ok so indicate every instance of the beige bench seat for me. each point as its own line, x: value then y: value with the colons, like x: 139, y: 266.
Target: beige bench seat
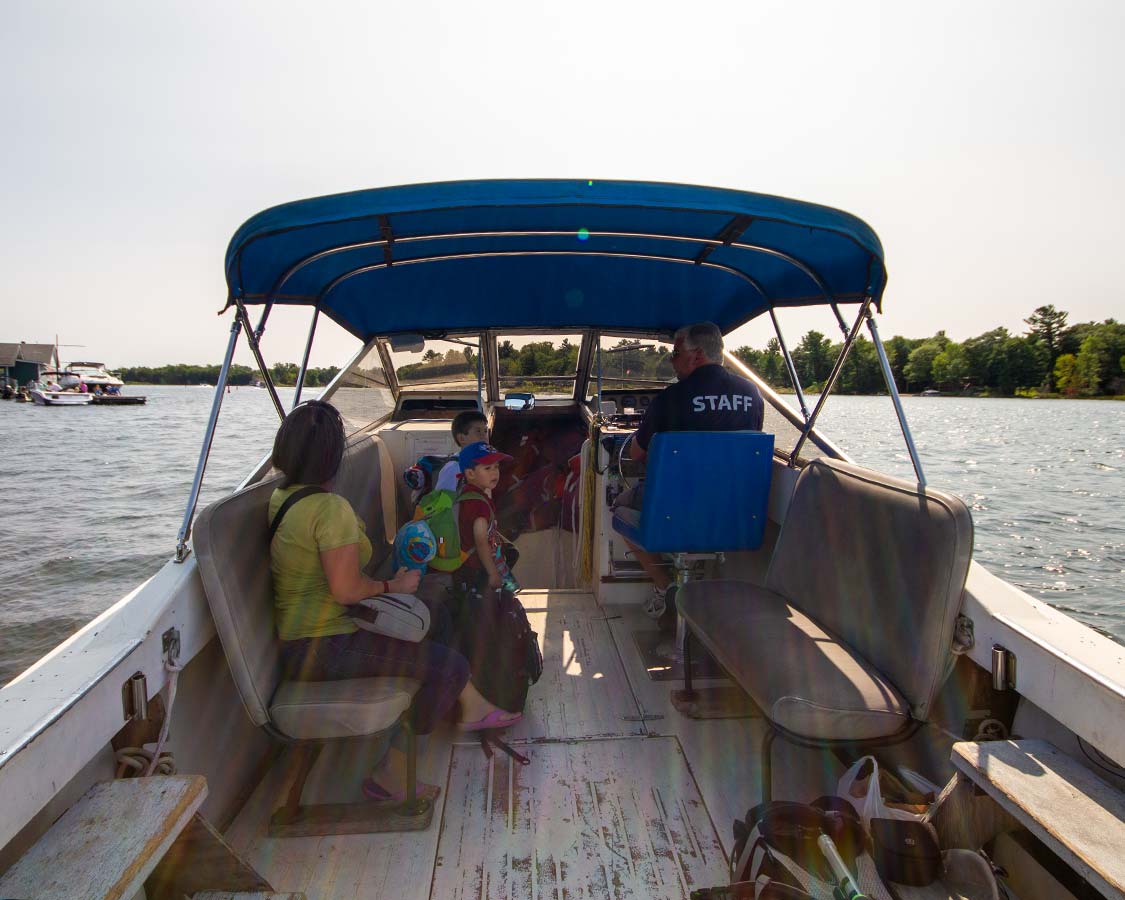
x: 803, y: 677
x: 320, y: 710
x: 231, y: 542
x: 851, y: 635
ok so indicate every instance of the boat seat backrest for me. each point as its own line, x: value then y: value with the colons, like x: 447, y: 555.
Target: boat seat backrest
x: 231, y: 547
x: 367, y: 479
x: 881, y: 563
x: 706, y: 491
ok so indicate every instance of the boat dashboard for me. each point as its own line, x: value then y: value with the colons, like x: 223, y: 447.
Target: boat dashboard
x: 630, y: 402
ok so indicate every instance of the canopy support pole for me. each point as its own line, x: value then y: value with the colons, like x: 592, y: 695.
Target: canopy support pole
x: 480, y: 368
x: 582, y: 373
x: 840, y: 320
x: 252, y: 340
x: 261, y: 329
x: 889, y: 377
x: 305, y: 360
x: 837, y: 368
x: 789, y: 364
x: 205, y: 451
x: 492, y: 369
x: 598, y: 338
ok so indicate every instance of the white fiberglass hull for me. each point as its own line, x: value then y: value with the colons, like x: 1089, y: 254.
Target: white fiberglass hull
x: 60, y: 398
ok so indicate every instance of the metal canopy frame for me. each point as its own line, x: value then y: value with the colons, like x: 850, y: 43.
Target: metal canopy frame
x: 487, y: 358
x: 387, y: 243
x: 704, y: 243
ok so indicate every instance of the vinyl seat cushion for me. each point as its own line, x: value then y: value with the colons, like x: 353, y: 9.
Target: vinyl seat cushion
x: 804, y: 678
x: 320, y: 710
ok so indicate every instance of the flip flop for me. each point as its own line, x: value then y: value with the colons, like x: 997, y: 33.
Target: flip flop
x: 498, y: 718
x: 372, y: 790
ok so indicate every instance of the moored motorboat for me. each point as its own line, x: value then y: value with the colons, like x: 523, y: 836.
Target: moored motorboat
x: 45, y: 397
x: 103, y: 386
x: 95, y: 375
x: 861, y: 582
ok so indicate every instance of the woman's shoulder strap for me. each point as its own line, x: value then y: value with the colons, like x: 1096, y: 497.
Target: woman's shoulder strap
x: 291, y: 501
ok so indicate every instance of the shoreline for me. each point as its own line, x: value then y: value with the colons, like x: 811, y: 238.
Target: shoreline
x: 785, y: 392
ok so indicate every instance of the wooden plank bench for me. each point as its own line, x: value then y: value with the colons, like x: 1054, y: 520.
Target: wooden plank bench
x: 106, y: 845
x: 1065, y: 805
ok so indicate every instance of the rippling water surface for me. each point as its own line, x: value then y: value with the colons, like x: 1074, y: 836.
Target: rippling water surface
x: 91, y: 499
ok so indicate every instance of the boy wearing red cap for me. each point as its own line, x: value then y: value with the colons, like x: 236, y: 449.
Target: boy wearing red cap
x: 486, y: 568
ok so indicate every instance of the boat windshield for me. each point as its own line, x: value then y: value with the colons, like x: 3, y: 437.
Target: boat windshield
x: 449, y: 363
x: 362, y: 395
x: 633, y: 364
x: 542, y: 364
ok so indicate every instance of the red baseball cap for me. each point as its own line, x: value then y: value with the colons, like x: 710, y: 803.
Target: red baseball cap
x: 479, y: 454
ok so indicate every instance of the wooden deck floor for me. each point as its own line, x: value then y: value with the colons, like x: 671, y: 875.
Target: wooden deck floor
x: 624, y: 797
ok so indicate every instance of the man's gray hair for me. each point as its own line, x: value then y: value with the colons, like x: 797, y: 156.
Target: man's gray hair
x: 705, y: 337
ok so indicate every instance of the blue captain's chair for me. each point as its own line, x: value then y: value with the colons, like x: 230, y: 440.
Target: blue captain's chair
x: 704, y: 492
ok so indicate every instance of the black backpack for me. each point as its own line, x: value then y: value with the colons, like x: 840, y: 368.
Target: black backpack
x: 494, y: 635
x: 778, y: 840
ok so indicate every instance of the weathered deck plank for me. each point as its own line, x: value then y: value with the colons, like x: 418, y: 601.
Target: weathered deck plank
x: 1075, y: 813
x: 583, y: 691
x: 108, y: 843
x: 618, y: 818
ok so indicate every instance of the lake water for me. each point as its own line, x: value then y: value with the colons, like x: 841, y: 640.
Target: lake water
x: 91, y: 499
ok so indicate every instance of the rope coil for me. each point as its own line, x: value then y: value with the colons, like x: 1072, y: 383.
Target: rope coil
x: 140, y: 762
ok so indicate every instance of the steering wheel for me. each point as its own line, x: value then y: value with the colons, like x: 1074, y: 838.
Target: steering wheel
x: 625, y: 461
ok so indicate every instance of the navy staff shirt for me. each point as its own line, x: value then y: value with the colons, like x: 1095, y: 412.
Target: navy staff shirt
x: 709, y: 399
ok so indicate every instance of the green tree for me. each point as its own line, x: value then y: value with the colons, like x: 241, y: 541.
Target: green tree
x: 1027, y: 362
x: 1047, y: 325
x: 813, y: 358
x: 1098, y: 364
x: 284, y: 373
x: 1065, y: 376
x: 1070, y: 341
x: 950, y: 367
x: 751, y: 357
x: 918, y: 370
x: 862, y: 373
x: 898, y: 350
x: 1089, y: 367
x: 773, y: 364
x: 988, y: 361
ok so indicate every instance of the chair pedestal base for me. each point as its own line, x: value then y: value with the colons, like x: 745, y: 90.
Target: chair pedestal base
x: 726, y: 701
x: 351, y: 818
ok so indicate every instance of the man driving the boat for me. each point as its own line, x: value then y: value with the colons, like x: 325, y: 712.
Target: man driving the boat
x: 705, y: 397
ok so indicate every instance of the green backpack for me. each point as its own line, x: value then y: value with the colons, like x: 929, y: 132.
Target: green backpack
x: 439, y: 510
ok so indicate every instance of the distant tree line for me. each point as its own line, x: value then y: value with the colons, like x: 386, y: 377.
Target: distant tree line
x: 1083, y: 360
x: 537, y: 358
x: 182, y: 373
x: 1050, y: 358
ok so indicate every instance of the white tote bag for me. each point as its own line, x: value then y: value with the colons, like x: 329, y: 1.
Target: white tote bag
x: 401, y: 616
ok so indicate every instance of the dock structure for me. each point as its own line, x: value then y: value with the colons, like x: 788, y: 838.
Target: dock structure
x: 24, y: 362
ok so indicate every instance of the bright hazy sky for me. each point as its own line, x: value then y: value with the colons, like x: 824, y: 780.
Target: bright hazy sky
x: 984, y: 142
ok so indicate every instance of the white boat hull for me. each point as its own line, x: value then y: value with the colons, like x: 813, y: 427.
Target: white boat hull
x: 60, y: 398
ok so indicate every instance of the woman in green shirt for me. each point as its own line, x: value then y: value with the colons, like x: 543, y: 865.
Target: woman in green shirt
x: 317, y: 558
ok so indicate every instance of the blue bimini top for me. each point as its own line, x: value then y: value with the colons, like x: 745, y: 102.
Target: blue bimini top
x: 465, y: 255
